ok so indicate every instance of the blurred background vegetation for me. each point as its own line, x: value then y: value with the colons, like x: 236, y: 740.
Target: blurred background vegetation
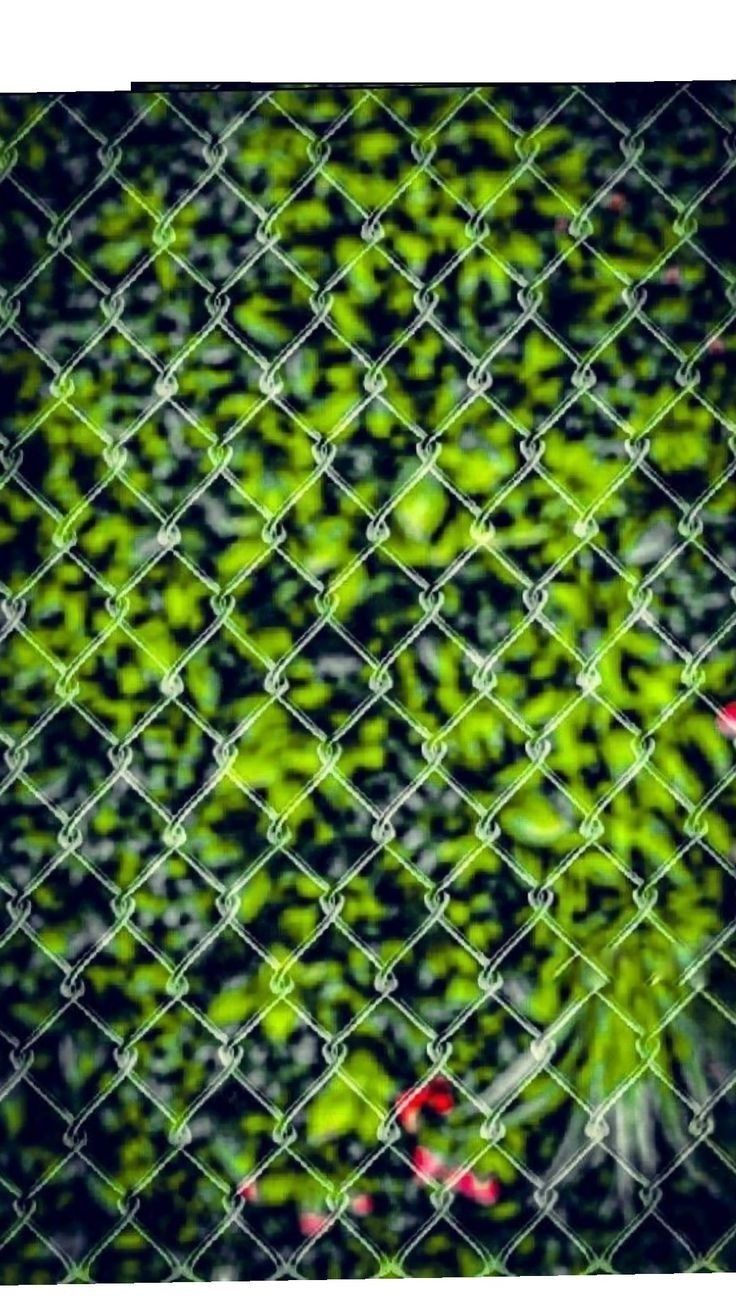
x: 368, y: 570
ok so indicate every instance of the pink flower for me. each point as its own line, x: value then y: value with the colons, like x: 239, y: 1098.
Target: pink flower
x: 361, y: 1204
x: 672, y: 275
x: 726, y: 720
x: 248, y: 1190
x: 481, y: 1192
x: 428, y: 1163
x: 431, y: 1167
x: 311, y: 1223
x: 717, y: 345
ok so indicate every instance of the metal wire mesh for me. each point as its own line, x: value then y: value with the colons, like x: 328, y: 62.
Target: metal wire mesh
x: 367, y: 480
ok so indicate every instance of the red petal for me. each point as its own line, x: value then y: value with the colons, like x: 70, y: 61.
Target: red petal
x: 442, y: 1102
x: 440, y: 1096
x: 437, y: 1095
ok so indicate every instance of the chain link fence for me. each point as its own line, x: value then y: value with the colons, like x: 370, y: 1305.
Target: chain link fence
x: 367, y: 486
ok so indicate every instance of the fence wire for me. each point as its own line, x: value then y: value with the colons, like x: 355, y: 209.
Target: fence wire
x: 367, y: 476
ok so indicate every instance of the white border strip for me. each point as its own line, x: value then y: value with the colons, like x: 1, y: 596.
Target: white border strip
x: 67, y: 45
x: 521, y: 1292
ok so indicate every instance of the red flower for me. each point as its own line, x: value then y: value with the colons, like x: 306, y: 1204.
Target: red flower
x: 248, y: 1190
x: 361, y: 1204
x: 437, y: 1095
x: 726, y: 720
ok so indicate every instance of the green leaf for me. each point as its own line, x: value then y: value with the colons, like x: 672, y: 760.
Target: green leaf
x: 331, y: 1113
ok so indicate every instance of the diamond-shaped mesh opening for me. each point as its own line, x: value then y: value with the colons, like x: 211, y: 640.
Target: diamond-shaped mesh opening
x: 36, y: 679
x: 165, y: 307
x: 267, y: 155
x: 429, y: 527
x: 700, y: 150
x: 371, y: 178
x: 172, y: 759
x: 57, y: 158
x: 67, y: 761
x: 669, y: 441
x: 114, y: 560
x: 160, y: 133
x: 77, y: 312
x: 685, y: 279
x: 375, y: 441
x: 63, y: 482
x: 176, y: 1060
x: 328, y: 681
x: 205, y: 384
x: 62, y: 933
x: 426, y: 379
x: 38, y: 1129
x: 578, y: 162
x: 379, y: 605
x: 582, y: 297
x: 113, y: 384
x: 270, y: 306
x: 406, y: 224
x: 175, y: 908
x: 437, y: 994
x: 372, y: 303
x: 477, y: 299
x: 531, y: 374
x: 215, y: 231
x: 111, y: 237
x: 57, y: 1208
x: 166, y: 458
x: 693, y: 618
x: 323, y: 381
x: 119, y: 1012
x: 472, y: 133
x: 302, y: 233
